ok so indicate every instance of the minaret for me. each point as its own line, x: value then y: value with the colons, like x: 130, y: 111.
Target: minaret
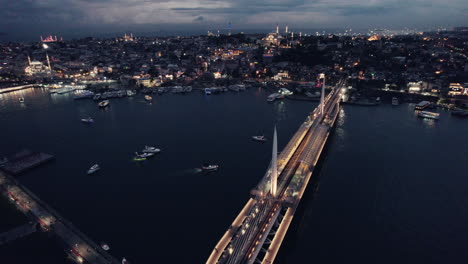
x: 274, y: 166
x: 29, y: 61
x: 286, y: 30
x: 277, y: 29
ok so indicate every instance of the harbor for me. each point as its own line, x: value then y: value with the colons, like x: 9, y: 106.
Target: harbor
x: 117, y: 203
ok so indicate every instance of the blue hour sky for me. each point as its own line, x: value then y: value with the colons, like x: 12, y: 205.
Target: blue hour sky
x: 33, y: 17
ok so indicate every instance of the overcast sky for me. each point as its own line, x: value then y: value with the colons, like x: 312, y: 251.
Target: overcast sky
x: 33, y: 17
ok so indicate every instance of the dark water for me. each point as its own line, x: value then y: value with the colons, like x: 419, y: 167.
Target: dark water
x: 392, y: 187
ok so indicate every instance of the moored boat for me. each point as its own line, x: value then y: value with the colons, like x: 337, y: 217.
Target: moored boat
x: 148, y: 98
x: 93, y: 169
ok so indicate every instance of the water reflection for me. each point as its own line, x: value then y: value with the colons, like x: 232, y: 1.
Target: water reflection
x: 280, y: 110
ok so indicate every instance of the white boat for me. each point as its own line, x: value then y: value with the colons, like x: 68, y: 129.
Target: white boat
x: 125, y: 261
x: 93, y: 169
x: 148, y: 149
x: 87, y: 120
x: 143, y: 155
x: 104, y: 103
x: 148, y: 98
x: 395, y: 101
x: 427, y: 114
x: 21, y: 99
x: 259, y: 138
x: 212, y: 167
x: 105, y: 246
x: 130, y: 93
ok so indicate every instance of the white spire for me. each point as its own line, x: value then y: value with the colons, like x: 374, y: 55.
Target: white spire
x: 274, y: 165
x: 322, y: 96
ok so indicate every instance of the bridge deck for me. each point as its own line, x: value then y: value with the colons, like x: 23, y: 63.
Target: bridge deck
x: 267, y: 218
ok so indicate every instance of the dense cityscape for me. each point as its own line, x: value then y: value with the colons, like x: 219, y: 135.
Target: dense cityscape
x: 286, y: 145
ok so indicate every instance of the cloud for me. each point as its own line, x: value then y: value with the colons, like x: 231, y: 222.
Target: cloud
x: 44, y: 15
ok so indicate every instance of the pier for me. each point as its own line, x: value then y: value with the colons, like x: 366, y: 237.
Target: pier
x: 15, y: 88
x: 17, y: 233
x: 79, y: 246
x: 259, y: 229
x: 25, y: 160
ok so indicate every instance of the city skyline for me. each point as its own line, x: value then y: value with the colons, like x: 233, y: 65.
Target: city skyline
x: 78, y: 18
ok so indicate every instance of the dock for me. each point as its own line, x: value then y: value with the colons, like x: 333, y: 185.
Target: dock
x: 25, y: 160
x: 17, y: 233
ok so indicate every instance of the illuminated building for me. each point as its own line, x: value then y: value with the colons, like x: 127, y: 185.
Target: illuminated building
x: 455, y: 89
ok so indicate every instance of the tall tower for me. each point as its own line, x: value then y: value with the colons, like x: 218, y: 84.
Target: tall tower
x: 48, y: 62
x: 322, y: 95
x: 29, y: 61
x: 286, y: 30
x: 274, y: 166
x: 277, y: 29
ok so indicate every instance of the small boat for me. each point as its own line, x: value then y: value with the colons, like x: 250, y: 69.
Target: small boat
x: 427, y: 114
x: 259, y: 138
x: 138, y: 159
x: 125, y: 261
x: 96, y: 97
x: 130, y: 93
x: 148, y: 98
x: 88, y: 120
x: 212, y: 167
x: 395, y: 101
x: 105, y: 246
x: 103, y: 103
x: 21, y: 99
x: 208, y: 91
x: 144, y: 155
x: 150, y: 150
x: 93, y: 169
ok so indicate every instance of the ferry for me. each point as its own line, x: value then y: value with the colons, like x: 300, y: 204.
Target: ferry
x: 259, y: 138
x: 148, y: 98
x: 422, y: 105
x: 93, y: 169
x: 105, y: 246
x: 21, y: 99
x: 104, y: 103
x: 207, y: 167
x: 427, y: 114
x: 150, y: 150
x: 88, y: 120
x: 395, y: 101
